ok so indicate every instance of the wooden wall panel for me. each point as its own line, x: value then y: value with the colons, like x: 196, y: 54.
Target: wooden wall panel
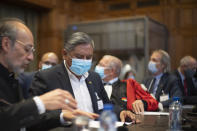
x: 179, y: 16
x: 185, y: 18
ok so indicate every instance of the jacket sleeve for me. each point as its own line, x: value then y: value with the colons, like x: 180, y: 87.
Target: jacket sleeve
x: 16, y: 116
x: 173, y: 89
x: 135, y: 92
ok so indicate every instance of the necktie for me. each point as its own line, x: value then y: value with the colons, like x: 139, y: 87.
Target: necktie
x: 151, y: 86
x: 185, y: 87
x: 107, y: 84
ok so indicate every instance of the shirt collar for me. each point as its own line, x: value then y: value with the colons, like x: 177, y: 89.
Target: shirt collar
x: 182, y: 76
x: 113, y: 80
x: 72, y: 76
x: 4, y: 71
x: 159, y: 76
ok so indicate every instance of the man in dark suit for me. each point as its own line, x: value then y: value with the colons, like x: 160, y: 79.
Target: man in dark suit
x: 185, y: 75
x: 161, y: 83
x: 16, y: 52
x: 128, y: 93
x: 74, y: 76
x: 48, y: 60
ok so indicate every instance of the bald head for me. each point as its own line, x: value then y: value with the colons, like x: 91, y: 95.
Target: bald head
x: 49, y: 58
x: 13, y: 28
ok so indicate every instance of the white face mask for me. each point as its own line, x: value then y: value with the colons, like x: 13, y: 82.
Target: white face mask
x: 152, y: 67
x: 45, y: 66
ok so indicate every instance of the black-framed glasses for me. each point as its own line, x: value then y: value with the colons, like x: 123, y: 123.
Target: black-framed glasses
x: 28, y: 49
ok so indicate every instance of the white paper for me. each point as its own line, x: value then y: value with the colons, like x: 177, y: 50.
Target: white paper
x: 96, y: 124
x: 188, y: 106
x: 156, y: 113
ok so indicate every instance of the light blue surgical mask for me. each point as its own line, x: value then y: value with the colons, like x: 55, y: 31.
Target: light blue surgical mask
x: 45, y: 66
x: 80, y: 66
x: 132, y: 77
x: 100, y: 71
x: 152, y: 67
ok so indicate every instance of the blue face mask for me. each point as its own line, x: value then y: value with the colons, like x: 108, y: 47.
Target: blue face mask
x: 80, y: 66
x: 45, y: 66
x: 152, y: 67
x: 132, y: 77
x: 100, y: 71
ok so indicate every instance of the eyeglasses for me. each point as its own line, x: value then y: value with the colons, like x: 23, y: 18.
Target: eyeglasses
x: 28, y: 49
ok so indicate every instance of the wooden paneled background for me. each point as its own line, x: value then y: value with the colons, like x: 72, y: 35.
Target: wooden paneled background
x: 179, y: 16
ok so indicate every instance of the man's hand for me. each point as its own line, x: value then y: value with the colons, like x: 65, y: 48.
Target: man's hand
x: 68, y: 115
x: 56, y: 100
x: 127, y: 114
x: 138, y: 106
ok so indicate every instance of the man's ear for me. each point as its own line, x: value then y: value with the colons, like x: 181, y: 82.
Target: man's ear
x: 40, y: 64
x: 113, y: 70
x: 5, y: 44
x: 64, y: 54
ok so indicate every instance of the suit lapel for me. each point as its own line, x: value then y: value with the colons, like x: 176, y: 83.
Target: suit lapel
x: 92, y: 94
x: 180, y: 80
x: 64, y: 79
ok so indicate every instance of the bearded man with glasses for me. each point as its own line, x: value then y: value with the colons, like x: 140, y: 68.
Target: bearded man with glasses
x: 16, y: 52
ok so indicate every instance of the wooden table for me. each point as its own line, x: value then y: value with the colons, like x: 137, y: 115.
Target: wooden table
x: 160, y: 123
x: 152, y: 123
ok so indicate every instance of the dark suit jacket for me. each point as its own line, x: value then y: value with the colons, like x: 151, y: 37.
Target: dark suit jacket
x: 57, y: 77
x: 190, y: 85
x: 25, y: 80
x: 168, y: 84
x: 15, y: 112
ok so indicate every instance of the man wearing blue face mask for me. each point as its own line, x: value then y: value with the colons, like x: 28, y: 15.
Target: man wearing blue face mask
x: 161, y: 84
x: 48, y: 60
x: 74, y: 76
x: 127, y: 93
x: 185, y: 75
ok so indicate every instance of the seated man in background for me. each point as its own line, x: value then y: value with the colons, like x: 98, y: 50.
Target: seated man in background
x: 48, y: 60
x: 128, y: 93
x: 161, y: 83
x: 74, y: 76
x: 16, y: 52
x: 185, y: 75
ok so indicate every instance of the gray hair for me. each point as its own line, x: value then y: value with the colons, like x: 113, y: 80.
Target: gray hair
x: 187, y: 60
x: 115, y: 63
x: 165, y: 59
x: 9, y: 29
x: 76, y: 39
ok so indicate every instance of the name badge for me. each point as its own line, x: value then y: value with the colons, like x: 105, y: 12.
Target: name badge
x: 164, y: 97
x: 100, y: 104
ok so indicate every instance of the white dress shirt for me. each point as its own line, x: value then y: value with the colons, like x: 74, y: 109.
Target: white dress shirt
x: 81, y: 92
x: 108, y: 87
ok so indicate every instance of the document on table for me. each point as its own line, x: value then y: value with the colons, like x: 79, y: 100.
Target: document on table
x: 96, y: 124
x: 156, y: 113
x: 188, y: 106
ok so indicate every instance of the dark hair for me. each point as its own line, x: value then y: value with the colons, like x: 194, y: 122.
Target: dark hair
x: 76, y: 39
